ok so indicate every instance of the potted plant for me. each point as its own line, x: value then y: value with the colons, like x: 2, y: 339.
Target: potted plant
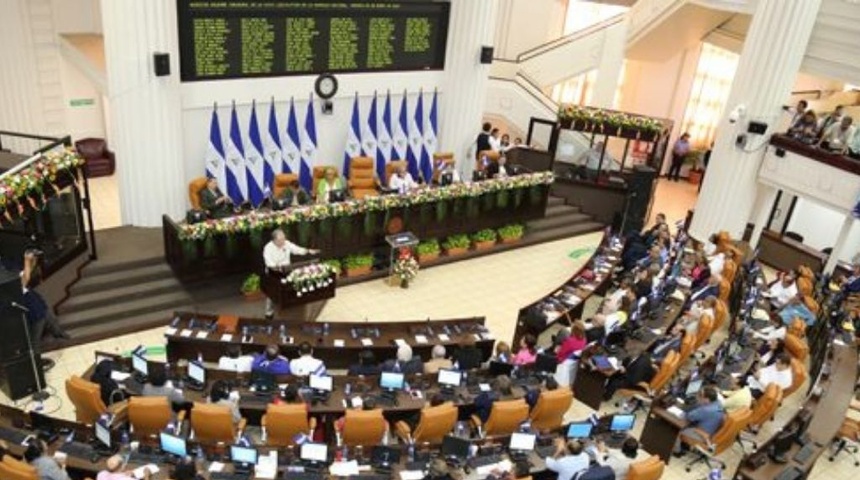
x: 484, y: 239
x: 694, y: 175
x: 428, y: 250
x: 251, y: 288
x: 334, y: 264
x: 456, y: 244
x: 358, y: 264
x: 511, y: 233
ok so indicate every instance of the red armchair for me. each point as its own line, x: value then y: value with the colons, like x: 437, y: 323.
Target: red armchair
x: 100, y: 161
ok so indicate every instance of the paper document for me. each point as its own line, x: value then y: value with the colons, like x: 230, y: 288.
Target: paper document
x: 138, y: 472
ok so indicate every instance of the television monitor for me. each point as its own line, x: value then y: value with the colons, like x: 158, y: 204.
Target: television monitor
x: 622, y: 423
x: 455, y: 446
x: 197, y: 372
x: 500, y: 368
x: 391, y: 381
x: 335, y: 196
x: 244, y: 455
x: 139, y: 364
x: 449, y: 378
x: 579, y: 430
x: 693, y: 387
x: 321, y: 382
x: 546, y: 363
x: 173, y: 445
x: 523, y: 442
x: 102, y: 434
x: 314, y: 452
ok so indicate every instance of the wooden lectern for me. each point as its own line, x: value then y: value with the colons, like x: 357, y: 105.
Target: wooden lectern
x: 289, y: 303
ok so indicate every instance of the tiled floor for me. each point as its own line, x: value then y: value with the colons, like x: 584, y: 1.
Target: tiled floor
x: 105, y: 202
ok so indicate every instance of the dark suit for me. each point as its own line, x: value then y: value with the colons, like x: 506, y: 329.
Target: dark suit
x: 468, y: 358
x: 636, y: 370
x: 484, y: 405
x: 302, y: 197
x: 209, y: 202
x: 703, y: 293
x: 366, y: 370
x: 493, y: 170
x: 413, y: 366
x: 483, y: 142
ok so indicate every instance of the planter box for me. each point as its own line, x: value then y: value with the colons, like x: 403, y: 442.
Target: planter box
x: 357, y: 271
x: 695, y: 176
x: 484, y: 245
x: 253, y: 296
x: 427, y: 257
x: 455, y: 251
x: 508, y: 241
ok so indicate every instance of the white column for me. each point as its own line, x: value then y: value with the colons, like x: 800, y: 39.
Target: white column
x: 767, y: 195
x: 144, y: 113
x: 833, y: 260
x: 769, y: 62
x: 472, y: 25
x: 609, y: 67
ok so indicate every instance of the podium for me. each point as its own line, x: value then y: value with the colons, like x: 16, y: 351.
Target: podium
x: 290, y: 304
x: 398, y: 242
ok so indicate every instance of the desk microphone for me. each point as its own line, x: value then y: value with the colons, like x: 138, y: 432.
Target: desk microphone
x: 19, y: 306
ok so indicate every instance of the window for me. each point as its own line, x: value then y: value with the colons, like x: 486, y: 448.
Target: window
x: 709, y: 94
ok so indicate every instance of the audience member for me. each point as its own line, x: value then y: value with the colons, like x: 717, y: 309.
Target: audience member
x: 618, y: 460
x: 213, y: 201
x: 805, y: 129
x: 771, y: 350
x: 468, y: 356
x: 568, y: 460
x: 112, y: 471
x: 711, y: 289
x: 306, y: 364
x: 437, y: 360
x: 797, y: 112
x: 158, y: 386
x: 838, y: 136
x: 783, y: 290
x: 186, y: 469
x: 109, y: 390
x: 502, y: 386
x: 736, y: 397
x: 700, y: 273
x: 329, y: 183
x: 574, y: 343
x: 775, y: 331
x: 271, y: 361
x: 778, y: 373
x: 533, y: 394
x: 405, y: 362
x: 832, y: 119
x: 797, y: 308
x: 854, y: 145
x: 633, y: 371
x: 671, y: 342
x: 295, y: 195
x: 527, y: 354
x: 503, y: 352
x: 679, y: 153
x: 366, y: 364
x: 402, y: 181
x: 220, y: 394
x: 706, y: 418
x: 47, y: 467
x: 234, y: 361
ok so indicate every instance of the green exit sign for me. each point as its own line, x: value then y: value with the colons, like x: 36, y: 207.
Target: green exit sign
x: 81, y: 102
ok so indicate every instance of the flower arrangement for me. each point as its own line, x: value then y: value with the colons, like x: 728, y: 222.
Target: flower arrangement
x: 311, y: 277
x: 257, y: 220
x: 36, y: 180
x: 595, y: 118
x: 405, y: 267
x: 511, y: 232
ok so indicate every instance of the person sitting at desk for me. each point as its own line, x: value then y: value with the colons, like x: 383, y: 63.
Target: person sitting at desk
x: 295, y: 195
x: 186, y: 469
x: 366, y: 365
x: 796, y: 308
x: 771, y: 350
x: 502, y: 386
x: 527, y: 354
x: 778, y: 373
x: 700, y: 273
x: 502, y: 352
x: 366, y: 404
x: 533, y: 394
x: 690, y: 320
x: 290, y: 394
x: 671, y: 342
x: 402, y: 181
x: 220, y: 394
x: 595, y: 330
x: 307, y: 364
x: 775, y: 331
x: 644, y: 283
x: 569, y: 459
x: 468, y: 356
x: 783, y: 290
x: 716, y: 263
x: 112, y: 470
x: 109, y: 390
x: 405, y: 362
x: 633, y: 371
x: 711, y: 289
x: 651, y: 234
x: 573, y: 344
x: 437, y: 360
x: 158, y: 386
x: 47, y: 467
x: 271, y: 361
x: 498, y: 169
x: 618, y: 460
x: 215, y: 203
x: 737, y: 397
x: 329, y: 183
x: 705, y: 419
x: 851, y: 284
x: 414, y: 418
x: 444, y: 168
x: 234, y: 361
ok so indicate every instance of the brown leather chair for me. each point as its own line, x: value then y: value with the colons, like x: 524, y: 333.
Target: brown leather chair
x: 804, y: 286
x: 435, y: 423
x: 492, y: 156
x: 281, y: 423
x: 798, y: 377
x: 721, y: 440
x: 87, y: 399
x: 725, y: 290
x: 847, y: 440
x: 797, y: 328
x: 763, y: 410
x: 213, y: 423
x: 363, y: 427
x: 440, y: 159
x: 811, y: 304
x: 721, y: 314
x: 729, y: 270
x: 149, y: 415
x: 706, y: 328
x: 647, y: 391
x: 797, y: 347
x: 649, y: 469
x: 14, y: 469
x: 506, y: 416
x: 688, y: 346
x: 194, y: 188
x: 362, y: 177
x: 100, y: 161
x: 548, y: 412
x: 392, y: 167
x: 282, y: 181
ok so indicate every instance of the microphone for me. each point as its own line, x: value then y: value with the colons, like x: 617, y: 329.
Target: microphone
x: 19, y: 306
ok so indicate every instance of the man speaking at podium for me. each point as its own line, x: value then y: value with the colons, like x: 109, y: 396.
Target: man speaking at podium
x: 276, y: 255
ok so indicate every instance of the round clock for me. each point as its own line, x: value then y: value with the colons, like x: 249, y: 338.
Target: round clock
x: 326, y: 86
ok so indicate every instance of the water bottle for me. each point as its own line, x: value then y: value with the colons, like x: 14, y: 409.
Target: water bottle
x: 199, y: 357
x: 715, y: 474
x: 460, y: 429
x: 410, y: 451
x: 283, y: 331
x: 244, y: 333
x: 124, y: 441
x: 201, y: 457
x: 347, y: 389
x: 325, y: 329
x: 344, y: 454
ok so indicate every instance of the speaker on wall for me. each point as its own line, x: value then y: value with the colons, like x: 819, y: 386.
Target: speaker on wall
x: 162, y: 64
x: 487, y: 55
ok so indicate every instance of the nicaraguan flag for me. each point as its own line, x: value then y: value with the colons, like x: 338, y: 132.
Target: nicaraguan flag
x: 309, y: 148
x: 368, y: 131
x: 255, y: 170
x: 430, y: 140
x: 400, y: 141
x: 383, y: 139
x: 215, y: 152
x: 353, y: 138
x: 272, y: 148
x: 416, y: 141
x: 237, y: 187
x: 292, y: 142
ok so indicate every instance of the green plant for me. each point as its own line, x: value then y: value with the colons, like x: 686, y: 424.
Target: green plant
x: 456, y: 241
x: 485, y: 235
x: 512, y: 231
x: 428, y: 247
x: 334, y: 264
x: 358, y: 260
x: 693, y: 159
x: 251, y: 284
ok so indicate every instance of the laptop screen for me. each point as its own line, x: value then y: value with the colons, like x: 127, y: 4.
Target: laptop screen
x: 523, y: 441
x: 449, y: 378
x: 321, y: 382
x: 391, y: 381
x: 241, y: 454
x: 197, y: 372
x: 314, y: 452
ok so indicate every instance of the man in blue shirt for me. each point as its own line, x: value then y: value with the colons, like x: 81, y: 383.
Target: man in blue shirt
x: 271, y: 361
x: 796, y: 308
x: 702, y: 421
x: 852, y: 283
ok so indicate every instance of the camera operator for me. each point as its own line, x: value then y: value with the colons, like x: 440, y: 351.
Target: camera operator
x: 39, y: 317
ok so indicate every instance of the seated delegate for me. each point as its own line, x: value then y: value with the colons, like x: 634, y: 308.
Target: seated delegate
x: 234, y: 361
x: 271, y: 361
x: 220, y: 394
x: 329, y: 183
x: 307, y: 364
x: 705, y: 419
x: 402, y: 181
x: 438, y: 360
x: 569, y: 459
x: 366, y: 365
x: 633, y: 371
x: 158, y: 386
x: 404, y: 363
x: 778, y: 373
x: 502, y: 386
x: 783, y: 290
x: 295, y: 195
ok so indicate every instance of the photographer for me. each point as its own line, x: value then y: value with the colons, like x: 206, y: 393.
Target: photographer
x: 39, y: 317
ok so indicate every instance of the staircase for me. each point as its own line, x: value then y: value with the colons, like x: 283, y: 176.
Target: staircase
x: 561, y: 221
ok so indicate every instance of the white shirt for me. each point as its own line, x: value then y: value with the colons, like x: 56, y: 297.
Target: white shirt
x: 568, y: 466
x: 241, y: 364
x: 306, y: 365
x: 495, y: 143
x: 780, y: 294
x: 277, y: 257
x: 716, y: 264
x: 775, y: 334
x: 836, y: 137
x: 402, y: 184
x: 768, y: 375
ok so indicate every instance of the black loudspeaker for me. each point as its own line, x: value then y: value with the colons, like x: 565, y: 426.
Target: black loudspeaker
x: 162, y: 64
x: 640, y: 196
x: 487, y: 55
x: 13, y: 341
x: 18, y: 378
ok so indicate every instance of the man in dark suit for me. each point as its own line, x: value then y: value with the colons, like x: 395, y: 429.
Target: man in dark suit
x: 404, y: 363
x: 215, y: 203
x: 294, y: 195
x: 366, y: 365
x: 633, y: 371
x: 485, y: 400
x: 498, y: 169
x: 483, y: 140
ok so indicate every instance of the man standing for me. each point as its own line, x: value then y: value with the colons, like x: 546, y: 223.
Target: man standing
x: 679, y: 153
x: 276, y: 255
x: 838, y: 136
x: 483, y: 141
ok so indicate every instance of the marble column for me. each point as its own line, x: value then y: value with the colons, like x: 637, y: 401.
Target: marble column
x: 772, y: 53
x: 610, y: 66
x: 464, y: 88
x: 767, y: 195
x: 144, y: 110
x: 839, y: 246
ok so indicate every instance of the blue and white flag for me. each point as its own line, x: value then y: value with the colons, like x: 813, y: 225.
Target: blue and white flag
x: 272, y: 148
x: 352, y: 148
x: 416, y: 141
x: 255, y: 170
x: 309, y: 148
x: 237, y: 187
x: 383, y: 139
x: 399, y: 139
x: 430, y: 139
x: 215, y: 152
x: 368, y: 131
x: 292, y: 142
